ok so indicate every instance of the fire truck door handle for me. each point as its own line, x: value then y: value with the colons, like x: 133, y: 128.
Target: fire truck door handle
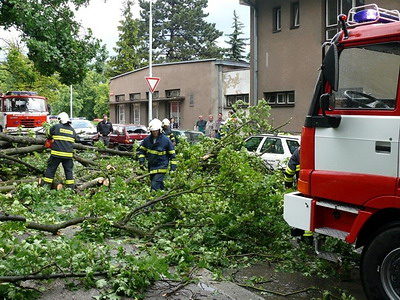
x: 382, y: 147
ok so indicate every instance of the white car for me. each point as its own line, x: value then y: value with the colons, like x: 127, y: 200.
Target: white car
x: 84, y: 129
x: 275, y: 150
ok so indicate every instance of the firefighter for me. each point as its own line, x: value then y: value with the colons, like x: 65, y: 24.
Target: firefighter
x: 293, y: 168
x: 63, y: 136
x: 166, y: 129
x: 159, y: 152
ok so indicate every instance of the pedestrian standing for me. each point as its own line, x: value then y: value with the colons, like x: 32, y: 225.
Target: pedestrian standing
x: 104, y: 129
x: 159, y: 152
x: 210, y: 127
x: 220, y: 121
x: 201, y: 124
x: 63, y: 136
x: 173, y: 124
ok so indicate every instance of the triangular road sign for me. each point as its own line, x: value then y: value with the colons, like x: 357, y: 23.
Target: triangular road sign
x: 152, y: 82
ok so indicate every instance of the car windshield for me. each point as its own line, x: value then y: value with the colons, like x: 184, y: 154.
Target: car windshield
x: 136, y: 129
x: 253, y: 143
x: 78, y: 124
x: 26, y: 104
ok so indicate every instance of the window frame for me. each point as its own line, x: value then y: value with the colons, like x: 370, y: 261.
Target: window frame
x: 235, y: 97
x: 277, y: 19
x: 294, y: 15
x: 284, y: 102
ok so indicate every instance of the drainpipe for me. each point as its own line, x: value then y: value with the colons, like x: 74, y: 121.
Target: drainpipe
x: 255, y: 54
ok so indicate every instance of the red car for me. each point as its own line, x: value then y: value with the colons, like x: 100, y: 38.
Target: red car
x: 124, y: 136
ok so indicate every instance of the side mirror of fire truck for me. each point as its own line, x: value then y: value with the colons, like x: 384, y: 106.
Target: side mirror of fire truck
x: 330, y: 67
x: 324, y: 102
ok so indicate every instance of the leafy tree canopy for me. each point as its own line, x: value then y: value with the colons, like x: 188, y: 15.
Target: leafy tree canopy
x: 56, y: 42
x: 237, y: 44
x: 180, y: 31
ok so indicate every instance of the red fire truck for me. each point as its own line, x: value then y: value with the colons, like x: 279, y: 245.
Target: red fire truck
x: 349, y: 182
x: 22, y: 109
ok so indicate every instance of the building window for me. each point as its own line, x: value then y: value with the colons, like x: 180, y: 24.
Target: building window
x: 277, y: 19
x: 134, y: 96
x: 276, y: 99
x: 156, y: 95
x: 136, y: 113
x: 232, y: 99
x: 155, y: 109
x: 119, y: 98
x: 295, y: 15
x: 333, y: 8
x: 175, y: 111
x: 172, y: 93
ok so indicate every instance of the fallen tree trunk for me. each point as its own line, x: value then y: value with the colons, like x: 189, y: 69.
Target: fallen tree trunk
x: 29, y: 166
x: 13, y: 279
x: 52, y: 228
x: 23, y: 150
x: 11, y: 182
x: 7, y: 188
x: 134, y: 178
x: 40, y: 141
x: 85, y: 162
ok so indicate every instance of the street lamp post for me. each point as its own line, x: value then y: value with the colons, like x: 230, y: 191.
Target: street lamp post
x: 151, y: 59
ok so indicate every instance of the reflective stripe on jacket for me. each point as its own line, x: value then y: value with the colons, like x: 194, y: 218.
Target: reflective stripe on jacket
x: 64, y: 137
x: 159, y: 153
x: 168, y: 133
x: 293, y: 166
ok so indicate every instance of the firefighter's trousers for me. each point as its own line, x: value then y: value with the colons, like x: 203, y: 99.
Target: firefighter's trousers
x: 157, y: 181
x: 52, y: 165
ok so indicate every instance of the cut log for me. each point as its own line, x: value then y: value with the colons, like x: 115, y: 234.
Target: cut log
x: 85, y: 162
x: 91, y: 183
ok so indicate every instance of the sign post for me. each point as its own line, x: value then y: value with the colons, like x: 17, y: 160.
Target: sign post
x: 151, y: 59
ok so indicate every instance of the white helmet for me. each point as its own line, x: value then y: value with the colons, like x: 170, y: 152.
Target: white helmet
x: 166, y: 122
x: 64, y: 118
x: 155, y: 124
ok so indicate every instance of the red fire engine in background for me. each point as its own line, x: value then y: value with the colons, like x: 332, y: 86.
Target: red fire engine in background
x: 349, y: 183
x: 22, y: 109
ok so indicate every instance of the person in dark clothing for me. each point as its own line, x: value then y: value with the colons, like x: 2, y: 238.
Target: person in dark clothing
x: 201, y: 125
x: 173, y: 124
x: 159, y: 152
x: 292, y: 169
x: 166, y: 130
x: 104, y: 129
x: 63, y: 136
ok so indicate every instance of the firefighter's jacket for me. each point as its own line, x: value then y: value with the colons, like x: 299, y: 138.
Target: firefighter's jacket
x: 159, y: 152
x: 64, y: 137
x: 293, y: 166
x: 168, y: 133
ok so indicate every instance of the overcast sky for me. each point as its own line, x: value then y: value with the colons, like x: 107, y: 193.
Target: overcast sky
x: 103, y: 18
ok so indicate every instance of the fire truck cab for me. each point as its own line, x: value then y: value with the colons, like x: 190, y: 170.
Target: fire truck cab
x: 349, y: 183
x: 22, y: 110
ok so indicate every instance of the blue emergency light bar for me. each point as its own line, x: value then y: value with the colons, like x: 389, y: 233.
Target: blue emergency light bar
x: 371, y: 13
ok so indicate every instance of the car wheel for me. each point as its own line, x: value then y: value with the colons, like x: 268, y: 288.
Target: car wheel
x: 380, y: 265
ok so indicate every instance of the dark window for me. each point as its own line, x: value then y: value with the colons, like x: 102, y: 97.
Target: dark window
x: 332, y: 9
x: 277, y: 19
x: 156, y: 95
x: 232, y: 99
x: 119, y: 98
x: 285, y: 98
x: 172, y: 93
x: 134, y: 96
x: 272, y: 145
x: 253, y: 143
x: 295, y: 15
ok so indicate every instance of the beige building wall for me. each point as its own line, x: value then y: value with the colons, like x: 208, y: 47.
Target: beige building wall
x: 200, y: 84
x: 289, y: 60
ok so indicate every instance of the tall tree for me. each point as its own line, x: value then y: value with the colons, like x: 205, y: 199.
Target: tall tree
x: 127, y: 57
x: 180, y: 31
x: 237, y: 44
x: 55, y: 41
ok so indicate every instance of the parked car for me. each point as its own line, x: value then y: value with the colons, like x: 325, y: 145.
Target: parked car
x: 85, y: 130
x: 191, y: 136
x: 275, y: 150
x: 124, y: 136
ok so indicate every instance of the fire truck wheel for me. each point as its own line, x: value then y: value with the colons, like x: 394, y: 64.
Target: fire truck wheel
x: 380, y: 266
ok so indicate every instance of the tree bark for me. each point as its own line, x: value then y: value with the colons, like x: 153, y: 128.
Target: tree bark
x: 52, y: 228
x: 29, y: 166
x: 23, y: 150
x: 13, y: 279
x: 85, y: 162
x: 11, y: 182
x: 91, y: 183
x: 7, y: 188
